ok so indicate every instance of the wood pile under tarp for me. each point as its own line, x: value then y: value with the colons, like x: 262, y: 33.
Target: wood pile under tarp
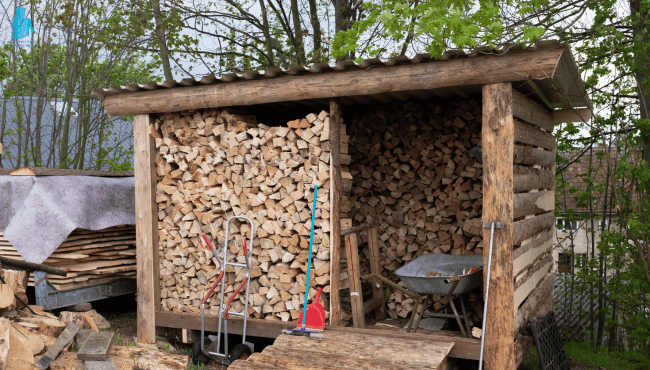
x: 89, y: 257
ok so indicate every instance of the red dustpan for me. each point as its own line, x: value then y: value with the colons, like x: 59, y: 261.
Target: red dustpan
x: 315, y: 315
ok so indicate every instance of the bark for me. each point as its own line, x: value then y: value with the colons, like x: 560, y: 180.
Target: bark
x: 342, y: 17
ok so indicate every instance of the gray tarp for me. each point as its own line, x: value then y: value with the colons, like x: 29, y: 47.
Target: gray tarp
x: 38, y: 213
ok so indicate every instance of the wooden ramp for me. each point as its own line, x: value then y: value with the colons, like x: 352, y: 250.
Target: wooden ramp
x: 341, y: 350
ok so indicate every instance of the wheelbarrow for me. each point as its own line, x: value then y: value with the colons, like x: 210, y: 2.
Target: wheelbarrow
x: 208, y: 348
x: 450, y: 281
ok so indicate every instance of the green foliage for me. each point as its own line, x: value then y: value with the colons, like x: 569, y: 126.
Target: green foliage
x: 583, y: 354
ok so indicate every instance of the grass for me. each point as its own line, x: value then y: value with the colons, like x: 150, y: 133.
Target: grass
x: 585, y: 358
x: 119, y: 340
x: 191, y: 366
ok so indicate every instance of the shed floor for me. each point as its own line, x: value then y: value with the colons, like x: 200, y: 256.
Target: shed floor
x: 350, y: 349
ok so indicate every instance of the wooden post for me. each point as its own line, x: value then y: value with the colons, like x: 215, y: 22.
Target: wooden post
x: 335, y: 210
x: 146, y: 228
x: 498, y: 146
x: 356, y: 300
x: 375, y: 268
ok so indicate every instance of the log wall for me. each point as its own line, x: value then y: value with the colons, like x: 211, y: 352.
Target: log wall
x: 533, y: 203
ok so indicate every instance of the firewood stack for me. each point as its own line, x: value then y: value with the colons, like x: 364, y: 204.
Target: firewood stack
x: 214, y: 164
x: 412, y: 171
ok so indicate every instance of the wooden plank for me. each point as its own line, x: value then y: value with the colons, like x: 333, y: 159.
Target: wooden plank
x: 429, y: 355
x: 524, y: 289
x: 356, y: 300
x: 375, y: 268
x: 527, y: 178
x: 532, y: 112
x: 335, y: 210
x: 529, y: 134
x: 308, y: 359
x: 92, y: 265
x: 412, y: 76
x: 572, y: 115
x: 531, y: 308
x: 146, y: 225
x: 66, y: 337
x: 529, y: 227
x: 525, y: 255
x: 255, y: 328
x: 533, y: 156
x: 95, y: 348
x: 464, y: 348
x: 525, y: 204
x: 498, y: 143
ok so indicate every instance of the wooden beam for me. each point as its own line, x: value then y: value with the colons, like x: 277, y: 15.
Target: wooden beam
x: 192, y: 321
x: 528, y: 178
x: 413, y: 76
x: 335, y: 210
x: 498, y: 148
x: 572, y: 115
x: 146, y: 227
x: 375, y: 268
x: 532, y: 112
x: 533, y: 203
x: 529, y: 134
x: 533, y: 156
x: 526, y: 228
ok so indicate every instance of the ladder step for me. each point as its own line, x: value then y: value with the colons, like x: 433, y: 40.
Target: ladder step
x: 236, y: 313
x: 235, y: 264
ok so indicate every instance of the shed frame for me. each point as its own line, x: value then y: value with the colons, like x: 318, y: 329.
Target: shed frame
x: 510, y: 83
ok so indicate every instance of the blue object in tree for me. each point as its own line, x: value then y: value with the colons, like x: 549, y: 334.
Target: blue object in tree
x: 21, y: 25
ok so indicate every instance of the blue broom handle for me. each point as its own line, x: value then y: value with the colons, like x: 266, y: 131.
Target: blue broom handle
x: 311, y: 240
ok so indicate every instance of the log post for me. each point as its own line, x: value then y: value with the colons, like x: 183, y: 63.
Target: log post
x: 498, y: 147
x: 146, y: 226
x: 335, y: 210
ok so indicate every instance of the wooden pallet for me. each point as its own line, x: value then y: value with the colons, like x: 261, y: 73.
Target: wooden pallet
x: 345, y: 350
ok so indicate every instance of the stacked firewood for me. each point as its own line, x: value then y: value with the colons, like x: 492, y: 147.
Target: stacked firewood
x: 215, y: 164
x: 413, y: 173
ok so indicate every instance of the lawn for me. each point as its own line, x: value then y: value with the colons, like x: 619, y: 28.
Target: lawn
x: 582, y: 356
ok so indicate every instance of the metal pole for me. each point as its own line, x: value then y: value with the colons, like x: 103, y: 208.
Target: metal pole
x: 487, y: 292
x: 311, y: 239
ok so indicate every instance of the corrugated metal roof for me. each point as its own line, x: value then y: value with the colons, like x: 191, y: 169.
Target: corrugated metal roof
x: 564, y: 90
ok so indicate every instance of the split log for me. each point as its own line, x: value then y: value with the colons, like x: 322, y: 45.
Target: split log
x: 526, y: 228
x: 51, y: 327
x: 525, y: 204
x: 5, y: 343
x: 148, y: 358
x: 20, y: 355
x: 532, y: 308
x: 529, y: 134
x: 533, y: 156
x: 527, y: 178
x: 524, y: 256
x: 32, y: 339
x: 522, y: 344
x: 6, y: 297
x: 532, y: 112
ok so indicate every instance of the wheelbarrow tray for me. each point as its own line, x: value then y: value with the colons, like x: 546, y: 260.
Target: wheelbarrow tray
x: 414, y: 273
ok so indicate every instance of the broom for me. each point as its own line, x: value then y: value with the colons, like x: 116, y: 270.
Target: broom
x: 319, y: 320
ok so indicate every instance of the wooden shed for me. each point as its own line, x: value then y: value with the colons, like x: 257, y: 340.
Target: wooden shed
x: 387, y: 143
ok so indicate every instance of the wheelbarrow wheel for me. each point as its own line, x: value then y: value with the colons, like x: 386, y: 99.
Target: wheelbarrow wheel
x: 240, y: 352
x: 196, y: 357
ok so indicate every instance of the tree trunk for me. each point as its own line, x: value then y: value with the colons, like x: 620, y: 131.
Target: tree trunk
x: 315, y: 24
x: 342, y: 15
x: 267, y: 34
x: 297, y: 29
x: 160, y: 34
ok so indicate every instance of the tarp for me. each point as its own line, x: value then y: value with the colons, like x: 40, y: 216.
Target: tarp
x: 38, y: 213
